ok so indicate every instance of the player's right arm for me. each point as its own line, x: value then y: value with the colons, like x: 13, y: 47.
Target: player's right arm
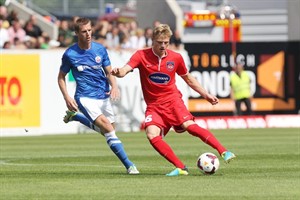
x: 195, y: 85
x: 70, y: 102
x: 121, y: 72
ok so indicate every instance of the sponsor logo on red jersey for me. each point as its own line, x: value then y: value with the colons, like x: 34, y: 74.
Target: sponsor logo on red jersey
x: 159, y: 78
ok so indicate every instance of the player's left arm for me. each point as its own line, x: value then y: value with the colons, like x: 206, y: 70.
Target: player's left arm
x: 70, y: 102
x: 121, y: 72
x: 114, y: 92
x: 195, y: 85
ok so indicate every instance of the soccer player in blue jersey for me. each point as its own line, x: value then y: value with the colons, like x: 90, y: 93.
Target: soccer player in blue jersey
x: 95, y: 86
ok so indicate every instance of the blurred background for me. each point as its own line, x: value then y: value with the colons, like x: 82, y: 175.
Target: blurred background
x: 211, y: 35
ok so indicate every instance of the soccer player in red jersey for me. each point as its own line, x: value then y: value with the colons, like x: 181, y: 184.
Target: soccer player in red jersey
x: 165, y: 108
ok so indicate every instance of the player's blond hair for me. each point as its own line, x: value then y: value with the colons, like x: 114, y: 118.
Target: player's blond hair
x: 162, y: 30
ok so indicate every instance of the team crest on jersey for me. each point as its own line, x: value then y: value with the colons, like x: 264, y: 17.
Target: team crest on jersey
x: 170, y: 65
x: 98, y: 59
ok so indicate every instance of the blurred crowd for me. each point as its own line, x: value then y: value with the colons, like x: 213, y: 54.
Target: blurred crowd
x: 16, y: 33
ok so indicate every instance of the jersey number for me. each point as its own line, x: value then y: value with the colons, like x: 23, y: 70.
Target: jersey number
x: 148, y: 118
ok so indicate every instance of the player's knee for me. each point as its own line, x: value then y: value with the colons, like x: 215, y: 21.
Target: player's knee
x: 152, y: 131
x: 104, y: 124
x: 186, y: 124
x: 151, y: 135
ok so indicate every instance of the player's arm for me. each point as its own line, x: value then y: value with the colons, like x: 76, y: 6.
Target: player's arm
x: 195, y: 85
x: 70, y: 102
x: 114, y: 91
x: 121, y: 72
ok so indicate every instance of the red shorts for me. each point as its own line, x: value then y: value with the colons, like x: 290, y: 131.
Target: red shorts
x: 170, y: 114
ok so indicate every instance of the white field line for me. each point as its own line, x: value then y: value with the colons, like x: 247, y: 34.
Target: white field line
x: 8, y: 163
x: 72, y: 165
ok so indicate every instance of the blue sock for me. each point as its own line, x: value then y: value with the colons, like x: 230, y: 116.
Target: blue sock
x: 117, y: 147
x: 85, y: 121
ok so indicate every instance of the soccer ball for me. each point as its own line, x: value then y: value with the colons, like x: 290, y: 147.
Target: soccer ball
x: 208, y: 163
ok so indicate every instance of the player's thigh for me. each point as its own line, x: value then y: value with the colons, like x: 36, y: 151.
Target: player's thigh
x: 107, y: 110
x: 152, y: 131
x: 104, y: 124
x: 179, y: 114
x: 153, y: 118
x: 93, y: 108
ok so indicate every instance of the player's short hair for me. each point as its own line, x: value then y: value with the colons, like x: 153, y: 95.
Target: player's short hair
x: 162, y: 30
x: 79, y: 22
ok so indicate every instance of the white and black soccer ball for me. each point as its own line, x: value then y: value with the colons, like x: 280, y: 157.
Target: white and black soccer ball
x: 208, y: 163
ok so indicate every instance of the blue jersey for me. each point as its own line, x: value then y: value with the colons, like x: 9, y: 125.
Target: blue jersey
x: 87, y: 67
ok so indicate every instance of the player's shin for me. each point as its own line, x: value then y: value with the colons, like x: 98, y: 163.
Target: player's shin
x: 165, y: 150
x: 117, y: 147
x: 206, y: 136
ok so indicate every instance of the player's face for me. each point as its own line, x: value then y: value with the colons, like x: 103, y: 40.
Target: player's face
x: 85, y: 34
x: 239, y: 69
x: 160, y: 44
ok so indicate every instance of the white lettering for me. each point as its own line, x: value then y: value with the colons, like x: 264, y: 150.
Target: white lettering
x: 237, y: 123
x: 218, y: 83
x: 240, y: 59
x: 256, y: 123
x: 209, y: 80
x: 283, y: 121
x: 252, y: 81
x: 216, y: 123
x: 223, y: 84
x: 246, y: 60
x: 224, y: 61
x: 250, y: 60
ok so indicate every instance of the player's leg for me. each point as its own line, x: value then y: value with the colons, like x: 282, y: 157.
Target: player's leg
x: 186, y: 119
x: 248, y: 106
x: 153, y: 133
x: 114, y: 142
x: 207, y: 137
x: 155, y: 139
x: 101, y: 112
x: 79, y: 117
x: 238, y: 107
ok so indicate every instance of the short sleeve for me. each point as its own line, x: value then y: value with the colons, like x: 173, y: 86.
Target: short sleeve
x: 134, y: 61
x: 65, y: 63
x: 106, y: 61
x: 181, y: 69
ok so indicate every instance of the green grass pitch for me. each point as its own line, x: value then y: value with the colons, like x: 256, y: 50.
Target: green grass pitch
x: 83, y: 167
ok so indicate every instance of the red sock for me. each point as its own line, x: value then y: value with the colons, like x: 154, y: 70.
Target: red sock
x: 165, y: 150
x: 206, y: 136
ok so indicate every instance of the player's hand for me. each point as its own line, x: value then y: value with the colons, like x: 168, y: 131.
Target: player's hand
x: 71, y: 104
x: 115, y: 72
x: 114, y: 94
x: 212, y: 99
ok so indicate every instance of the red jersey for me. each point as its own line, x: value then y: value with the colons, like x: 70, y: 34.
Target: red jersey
x: 157, y: 75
